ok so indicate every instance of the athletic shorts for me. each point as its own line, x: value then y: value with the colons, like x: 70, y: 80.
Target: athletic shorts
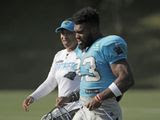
x: 109, y: 110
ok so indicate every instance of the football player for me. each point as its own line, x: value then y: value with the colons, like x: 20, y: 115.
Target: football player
x: 104, y: 69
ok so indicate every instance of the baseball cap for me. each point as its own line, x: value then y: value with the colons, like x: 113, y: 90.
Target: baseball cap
x: 67, y: 24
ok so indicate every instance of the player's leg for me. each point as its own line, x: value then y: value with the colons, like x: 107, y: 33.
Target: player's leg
x: 109, y: 110
x: 80, y: 115
x: 85, y: 114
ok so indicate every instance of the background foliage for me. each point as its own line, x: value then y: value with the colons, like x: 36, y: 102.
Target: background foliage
x: 28, y: 42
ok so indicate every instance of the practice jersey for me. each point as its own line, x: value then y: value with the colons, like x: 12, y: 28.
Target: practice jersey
x: 95, y: 69
x: 62, y: 74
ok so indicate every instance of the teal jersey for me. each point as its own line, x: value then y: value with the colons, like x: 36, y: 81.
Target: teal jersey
x: 94, y: 67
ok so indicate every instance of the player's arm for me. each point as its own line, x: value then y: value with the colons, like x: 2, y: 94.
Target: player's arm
x: 122, y: 83
x: 122, y: 71
x: 116, y: 54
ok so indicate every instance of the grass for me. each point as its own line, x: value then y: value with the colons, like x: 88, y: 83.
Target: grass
x: 141, y: 105
x: 136, y: 105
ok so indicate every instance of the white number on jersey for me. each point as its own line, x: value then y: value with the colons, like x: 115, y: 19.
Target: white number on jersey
x: 92, y: 69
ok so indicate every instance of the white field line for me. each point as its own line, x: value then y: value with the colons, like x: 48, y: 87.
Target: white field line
x: 144, y: 110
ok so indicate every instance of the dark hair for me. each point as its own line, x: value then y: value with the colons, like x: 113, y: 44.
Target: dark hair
x: 87, y: 15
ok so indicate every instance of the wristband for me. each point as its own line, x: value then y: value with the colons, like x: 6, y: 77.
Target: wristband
x: 98, y: 98
x: 116, y: 91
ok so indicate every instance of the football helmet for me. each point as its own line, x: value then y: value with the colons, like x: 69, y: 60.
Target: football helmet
x: 59, y: 113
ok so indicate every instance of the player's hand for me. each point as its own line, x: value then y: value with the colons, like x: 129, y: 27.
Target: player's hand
x: 61, y: 101
x: 29, y: 100
x: 93, y: 104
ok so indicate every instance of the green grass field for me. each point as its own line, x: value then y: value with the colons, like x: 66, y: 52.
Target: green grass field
x: 136, y: 105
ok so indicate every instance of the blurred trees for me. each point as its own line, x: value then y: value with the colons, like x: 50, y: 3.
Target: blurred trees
x: 28, y: 42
